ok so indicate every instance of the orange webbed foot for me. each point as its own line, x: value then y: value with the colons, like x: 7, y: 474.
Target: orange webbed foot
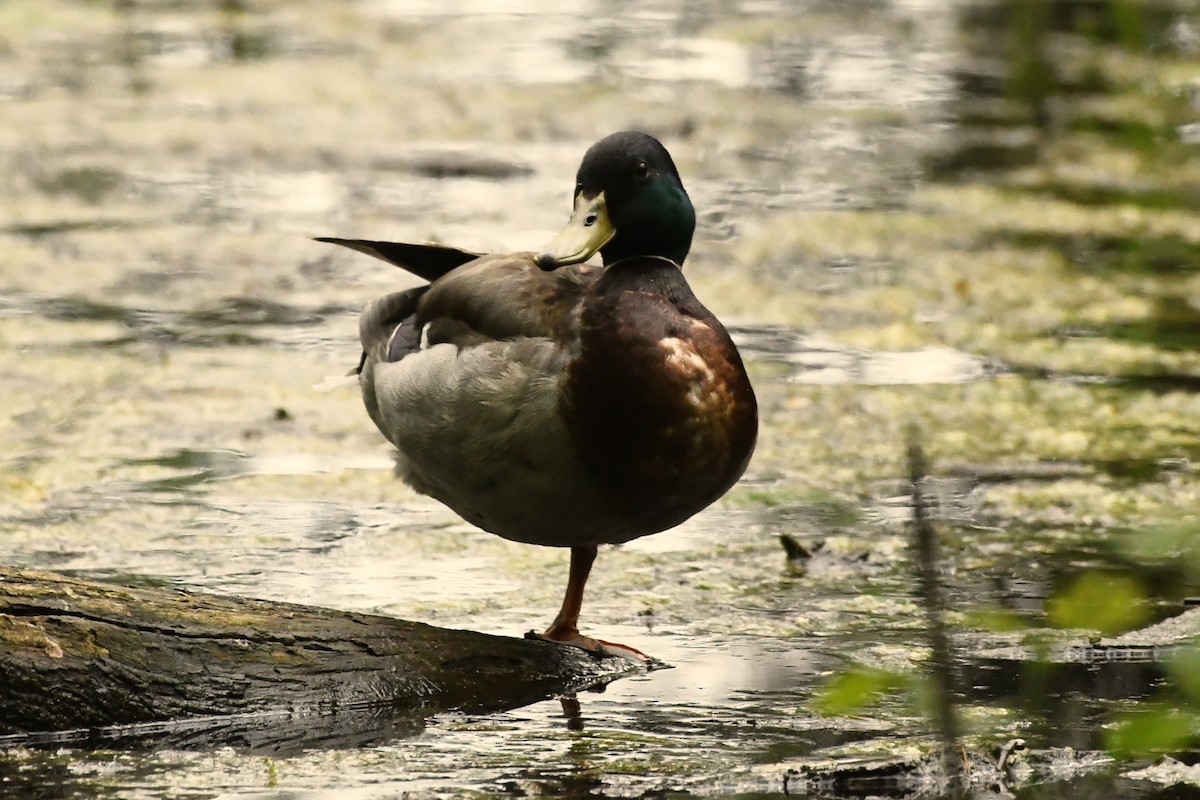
x: 571, y: 637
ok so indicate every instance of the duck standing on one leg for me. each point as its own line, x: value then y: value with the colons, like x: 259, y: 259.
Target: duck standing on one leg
x: 557, y: 403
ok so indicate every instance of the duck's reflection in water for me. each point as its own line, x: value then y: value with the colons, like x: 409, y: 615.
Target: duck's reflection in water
x: 573, y: 712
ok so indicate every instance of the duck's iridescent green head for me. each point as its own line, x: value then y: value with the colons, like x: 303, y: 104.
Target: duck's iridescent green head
x: 629, y: 202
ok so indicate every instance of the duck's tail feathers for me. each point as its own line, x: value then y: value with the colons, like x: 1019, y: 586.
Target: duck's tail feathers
x: 428, y: 261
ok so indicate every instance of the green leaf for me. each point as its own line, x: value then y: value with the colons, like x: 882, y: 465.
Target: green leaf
x: 1165, y: 544
x: 1100, y: 601
x: 857, y: 689
x: 1154, y: 728
x: 1183, y: 667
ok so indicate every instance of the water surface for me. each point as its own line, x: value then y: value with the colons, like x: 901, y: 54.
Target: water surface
x: 900, y: 220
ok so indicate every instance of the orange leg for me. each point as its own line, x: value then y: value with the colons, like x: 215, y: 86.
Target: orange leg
x: 565, y: 628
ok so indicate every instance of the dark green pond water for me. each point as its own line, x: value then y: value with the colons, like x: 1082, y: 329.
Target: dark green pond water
x: 979, y: 217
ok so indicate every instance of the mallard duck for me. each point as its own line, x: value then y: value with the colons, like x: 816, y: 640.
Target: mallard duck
x: 559, y: 403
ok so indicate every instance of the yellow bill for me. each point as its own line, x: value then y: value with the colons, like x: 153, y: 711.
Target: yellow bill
x: 587, y: 231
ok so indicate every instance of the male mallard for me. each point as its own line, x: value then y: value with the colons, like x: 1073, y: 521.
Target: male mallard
x: 558, y: 403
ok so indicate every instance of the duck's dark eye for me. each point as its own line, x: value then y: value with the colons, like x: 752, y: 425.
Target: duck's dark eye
x: 589, y: 220
x: 641, y: 171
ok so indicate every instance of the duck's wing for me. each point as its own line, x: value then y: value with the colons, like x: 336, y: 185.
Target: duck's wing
x: 503, y: 297
x: 464, y: 377
x: 428, y: 261
x: 386, y: 327
x: 492, y: 300
x: 387, y: 333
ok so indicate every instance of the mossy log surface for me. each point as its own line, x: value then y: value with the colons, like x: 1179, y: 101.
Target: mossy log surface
x: 78, y: 654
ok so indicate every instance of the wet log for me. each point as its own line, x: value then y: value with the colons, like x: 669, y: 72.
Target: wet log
x: 78, y: 654
x: 1152, y: 644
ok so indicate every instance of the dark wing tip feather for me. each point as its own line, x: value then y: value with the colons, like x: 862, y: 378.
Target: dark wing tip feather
x: 428, y: 261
